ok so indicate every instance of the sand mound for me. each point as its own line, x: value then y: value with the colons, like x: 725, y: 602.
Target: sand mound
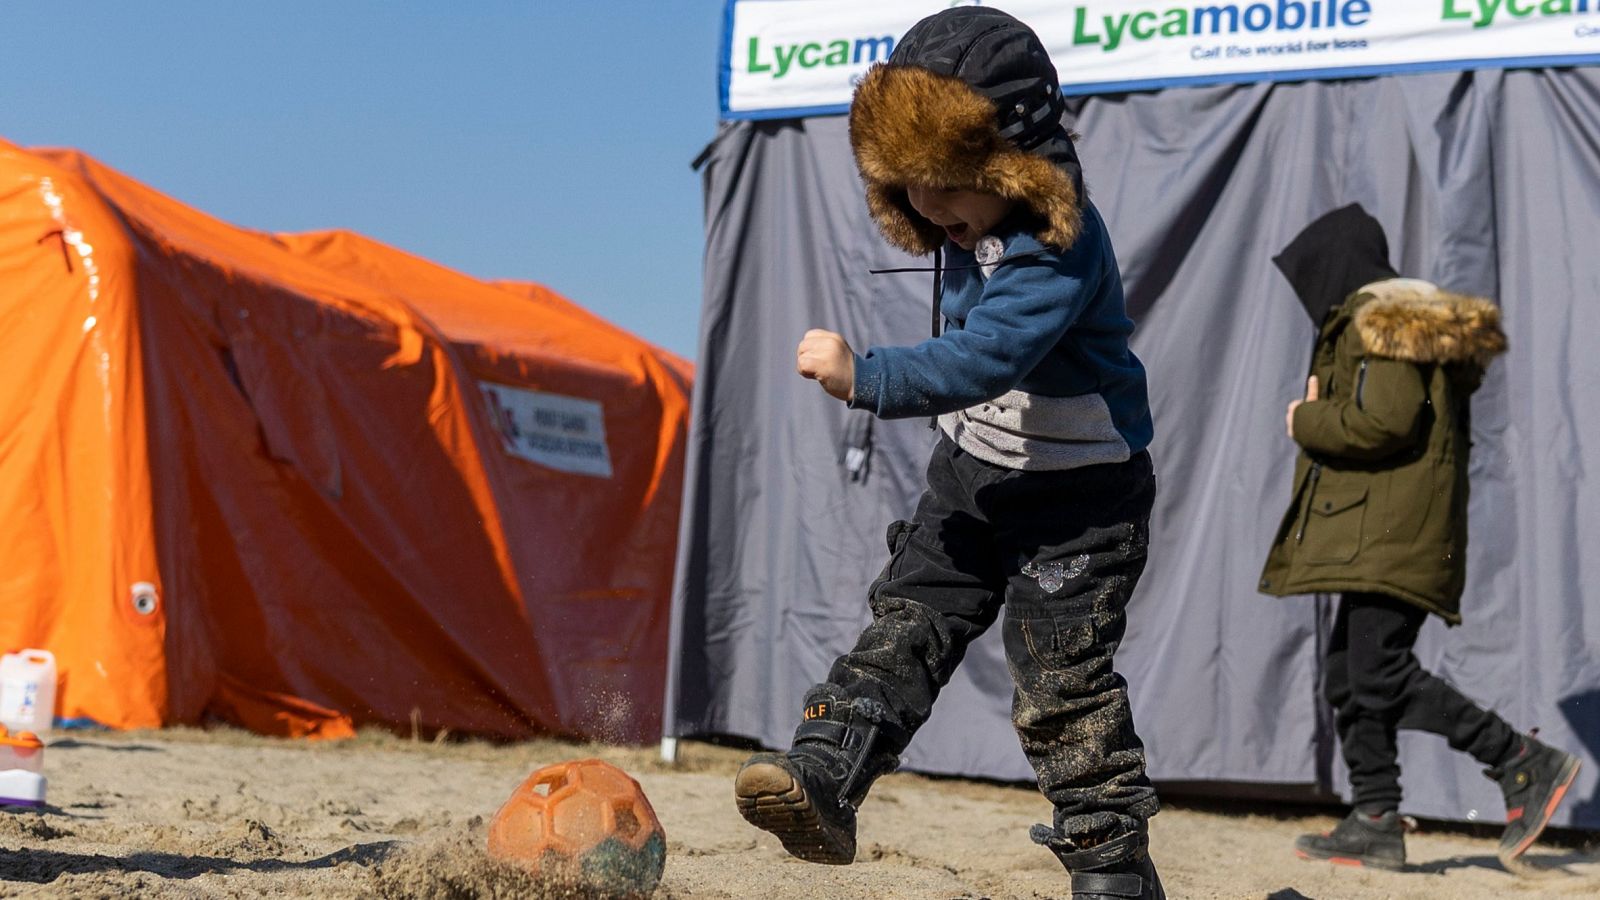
x: 457, y: 867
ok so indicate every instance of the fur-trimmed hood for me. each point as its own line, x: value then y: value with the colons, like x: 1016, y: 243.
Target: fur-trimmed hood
x: 1415, y: 321
x: 968, y: 101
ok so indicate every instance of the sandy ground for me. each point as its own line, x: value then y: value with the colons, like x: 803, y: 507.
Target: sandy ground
x: 222, y: 814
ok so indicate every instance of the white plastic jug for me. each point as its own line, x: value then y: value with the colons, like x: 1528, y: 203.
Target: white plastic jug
x: 28, y: 691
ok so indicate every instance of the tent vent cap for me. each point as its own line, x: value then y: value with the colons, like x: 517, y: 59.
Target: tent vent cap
x: 144, y: 598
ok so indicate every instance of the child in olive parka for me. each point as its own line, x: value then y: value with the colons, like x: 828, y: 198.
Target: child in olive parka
x: 1379, y: 515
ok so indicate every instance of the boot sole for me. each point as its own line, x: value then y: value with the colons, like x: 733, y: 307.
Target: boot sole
x: 1569, y: 774
x: 1360, y: 862
x: 770, y: 799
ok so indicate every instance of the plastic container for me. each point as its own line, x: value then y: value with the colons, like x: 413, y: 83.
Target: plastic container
x: 28, y: 691
x: 21, y: 750
x: 22, y: 781
x: 19, y: 787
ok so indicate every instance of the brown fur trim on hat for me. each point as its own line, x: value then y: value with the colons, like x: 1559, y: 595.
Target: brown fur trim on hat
x: 912, y: 126
x: 1414, y: 321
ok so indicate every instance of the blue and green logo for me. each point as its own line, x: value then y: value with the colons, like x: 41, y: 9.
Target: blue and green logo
x: 779, y: 60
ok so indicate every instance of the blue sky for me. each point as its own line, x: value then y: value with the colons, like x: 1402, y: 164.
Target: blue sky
x: 542, y: 141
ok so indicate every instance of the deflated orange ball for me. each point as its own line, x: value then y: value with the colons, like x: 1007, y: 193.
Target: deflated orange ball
x: 586, y: 823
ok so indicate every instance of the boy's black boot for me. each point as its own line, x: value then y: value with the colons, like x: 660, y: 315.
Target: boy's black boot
x: 808, y: 796
x: 1534, y: 780
x: 1118, y: 869
x: 1360, y: 840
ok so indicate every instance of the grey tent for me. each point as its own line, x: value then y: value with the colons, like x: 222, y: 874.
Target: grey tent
x: 1487, y: 181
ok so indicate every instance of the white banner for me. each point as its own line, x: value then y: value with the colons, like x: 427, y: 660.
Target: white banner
x: 791, y: 58
x: 554, y: 430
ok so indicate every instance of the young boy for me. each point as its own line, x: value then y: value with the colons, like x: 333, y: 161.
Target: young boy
x: 1380, y: 514
x: 1039, y: 490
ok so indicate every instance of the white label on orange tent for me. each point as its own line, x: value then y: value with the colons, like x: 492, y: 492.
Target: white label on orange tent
x: 554, y: 430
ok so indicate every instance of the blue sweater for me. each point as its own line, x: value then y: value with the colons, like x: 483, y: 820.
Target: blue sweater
x: 1045, y: 323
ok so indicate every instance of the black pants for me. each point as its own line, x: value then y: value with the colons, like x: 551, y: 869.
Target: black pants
x: 1377, y: 686
x: 1061, y: 552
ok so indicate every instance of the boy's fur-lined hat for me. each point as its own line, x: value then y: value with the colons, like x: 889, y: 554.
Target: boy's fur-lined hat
x: 968, y: 101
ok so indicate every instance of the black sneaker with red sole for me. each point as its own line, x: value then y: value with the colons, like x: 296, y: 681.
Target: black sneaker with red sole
x: 1377, y: 842
x: 1534, y: 783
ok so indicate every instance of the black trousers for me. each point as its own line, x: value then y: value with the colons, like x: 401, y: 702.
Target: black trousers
x: 1060, y: 552
x: 1377, y: 686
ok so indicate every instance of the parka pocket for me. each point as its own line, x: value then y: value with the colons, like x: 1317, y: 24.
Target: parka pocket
x: 1333, y: 530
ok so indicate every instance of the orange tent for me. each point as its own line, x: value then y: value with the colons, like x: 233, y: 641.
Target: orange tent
x: 301, y: 482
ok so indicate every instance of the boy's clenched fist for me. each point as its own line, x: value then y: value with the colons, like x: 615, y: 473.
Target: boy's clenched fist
x: 825, y: 358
